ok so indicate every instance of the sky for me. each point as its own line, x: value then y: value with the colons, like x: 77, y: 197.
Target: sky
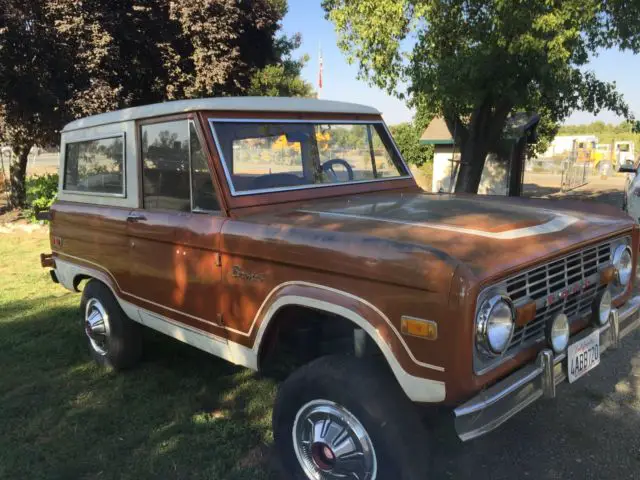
x: 340, y: 79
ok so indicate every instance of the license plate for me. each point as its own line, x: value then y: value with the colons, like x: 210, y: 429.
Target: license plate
x: 583, y: 355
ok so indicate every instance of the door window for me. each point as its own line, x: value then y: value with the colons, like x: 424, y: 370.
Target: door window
x: 175, y: 171
x: 204, y: 194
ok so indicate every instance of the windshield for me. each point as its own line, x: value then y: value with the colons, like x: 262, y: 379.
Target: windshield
x: 260, y: 156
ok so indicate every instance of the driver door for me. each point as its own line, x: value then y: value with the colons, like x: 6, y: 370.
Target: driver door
x: 174, y: 238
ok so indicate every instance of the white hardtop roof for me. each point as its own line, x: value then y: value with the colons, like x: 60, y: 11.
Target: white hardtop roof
x: 247, y: 104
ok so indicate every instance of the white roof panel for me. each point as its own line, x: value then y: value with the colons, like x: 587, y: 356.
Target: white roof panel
x: 248, y: 104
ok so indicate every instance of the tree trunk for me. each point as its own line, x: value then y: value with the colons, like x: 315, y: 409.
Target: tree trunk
x: 516, y: 167
x: 18, y: 176
x: 472, y: 158
x: 481, y: 135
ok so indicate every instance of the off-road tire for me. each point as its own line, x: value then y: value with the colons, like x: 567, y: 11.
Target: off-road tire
x: 368, y: 390
x: 124, y: 342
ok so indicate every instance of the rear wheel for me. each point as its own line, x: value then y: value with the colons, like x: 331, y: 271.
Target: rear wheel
x: 114, y: 339
x: 341, y: 417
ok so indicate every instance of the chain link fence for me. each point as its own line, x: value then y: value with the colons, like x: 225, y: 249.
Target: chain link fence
x: 574, y: 175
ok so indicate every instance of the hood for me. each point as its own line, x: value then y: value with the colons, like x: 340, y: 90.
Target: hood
x: 488, y: 235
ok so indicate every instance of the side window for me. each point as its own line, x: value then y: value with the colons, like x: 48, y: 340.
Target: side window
x: 175, y: 171
x: 384, y: 165
x: 204, y: 195
x: 95, y: 166
x: 165, y: 166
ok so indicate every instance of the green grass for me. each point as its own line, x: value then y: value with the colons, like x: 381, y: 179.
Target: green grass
x: 180, y: 414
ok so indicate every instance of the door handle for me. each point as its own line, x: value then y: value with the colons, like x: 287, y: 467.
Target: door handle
x: 134, y: 217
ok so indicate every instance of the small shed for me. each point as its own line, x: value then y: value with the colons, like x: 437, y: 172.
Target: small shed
x: 501, y: 175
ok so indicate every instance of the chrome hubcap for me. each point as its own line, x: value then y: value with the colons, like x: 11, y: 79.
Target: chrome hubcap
x: 331, y: 443
x: 96, y: 325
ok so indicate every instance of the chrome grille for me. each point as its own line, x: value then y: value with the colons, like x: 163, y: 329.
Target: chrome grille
x: 555, y: 276
x: 576, y: 276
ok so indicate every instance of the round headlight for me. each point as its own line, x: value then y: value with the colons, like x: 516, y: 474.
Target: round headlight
x: 602, y: 308
x: 622, y: 261
x: 494, y: 327
x: 558, y: 333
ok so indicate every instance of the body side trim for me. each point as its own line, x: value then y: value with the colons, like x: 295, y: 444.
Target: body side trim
x: 270, y: 313
x: 416, y: 388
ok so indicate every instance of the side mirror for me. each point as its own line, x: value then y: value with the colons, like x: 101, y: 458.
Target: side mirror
x: 626, y: 169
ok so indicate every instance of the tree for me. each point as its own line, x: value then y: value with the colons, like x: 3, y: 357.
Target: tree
x: 34, y: 75
x: 65, y: 59
x: 283, y: 78
x: 477, y: 61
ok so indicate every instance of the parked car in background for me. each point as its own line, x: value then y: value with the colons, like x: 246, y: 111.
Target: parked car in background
x: 261, y: 228
x: 631, y: 198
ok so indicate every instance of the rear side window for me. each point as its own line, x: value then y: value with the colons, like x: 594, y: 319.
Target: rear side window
x: 95, y: 166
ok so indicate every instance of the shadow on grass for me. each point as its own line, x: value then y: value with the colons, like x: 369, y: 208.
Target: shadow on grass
x: 18, y: 307
x: 180, y: 414
x: 183, y: 414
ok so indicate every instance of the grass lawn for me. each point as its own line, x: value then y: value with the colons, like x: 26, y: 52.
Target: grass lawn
x: 180, y: 414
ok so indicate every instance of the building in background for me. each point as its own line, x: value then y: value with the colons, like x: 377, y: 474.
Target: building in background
x: 500, y: 176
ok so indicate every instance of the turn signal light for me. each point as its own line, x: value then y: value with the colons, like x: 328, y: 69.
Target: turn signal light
x: 417, y: 327
x: 607, y: 275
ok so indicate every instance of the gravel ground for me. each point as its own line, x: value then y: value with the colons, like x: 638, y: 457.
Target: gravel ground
x: 590, y: 430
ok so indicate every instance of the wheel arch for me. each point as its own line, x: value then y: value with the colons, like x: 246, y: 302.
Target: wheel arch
x: 80, y: 277
x: 71, y: 274
x: 361, y: 314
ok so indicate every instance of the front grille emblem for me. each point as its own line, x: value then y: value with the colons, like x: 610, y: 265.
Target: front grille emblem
x: 565, y: 292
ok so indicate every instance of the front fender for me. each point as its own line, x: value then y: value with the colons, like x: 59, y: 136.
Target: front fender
x: 422, y: 382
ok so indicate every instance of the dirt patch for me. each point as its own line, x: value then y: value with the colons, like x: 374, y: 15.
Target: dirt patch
x: 15, y: 221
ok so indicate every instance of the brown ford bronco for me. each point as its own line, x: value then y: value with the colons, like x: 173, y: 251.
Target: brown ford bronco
x: 258, y: 229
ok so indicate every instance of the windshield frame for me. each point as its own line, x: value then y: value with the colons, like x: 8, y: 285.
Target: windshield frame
x: 240, y: 193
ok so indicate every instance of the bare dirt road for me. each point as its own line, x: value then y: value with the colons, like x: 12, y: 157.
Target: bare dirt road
x: 609, y: 190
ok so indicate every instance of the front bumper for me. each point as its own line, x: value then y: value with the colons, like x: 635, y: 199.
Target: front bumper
x: 492, y: 407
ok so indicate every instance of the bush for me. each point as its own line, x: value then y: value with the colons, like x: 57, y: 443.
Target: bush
x: 41, y: 192
x: 407, y: 137
x: 423, y: 175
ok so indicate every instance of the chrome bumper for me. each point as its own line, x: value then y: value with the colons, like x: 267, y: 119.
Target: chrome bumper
x: 492, y: 407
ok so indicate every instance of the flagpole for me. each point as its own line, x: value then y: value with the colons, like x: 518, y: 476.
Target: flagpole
x: 320, y: 68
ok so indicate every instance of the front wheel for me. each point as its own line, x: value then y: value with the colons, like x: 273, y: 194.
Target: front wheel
x: 341, y: 417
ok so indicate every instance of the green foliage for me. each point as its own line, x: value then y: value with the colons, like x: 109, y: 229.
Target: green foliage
x: 64, y: 417
x: 607, y: 133
x: 41, y: 193
x: 407, y: 136
x: 282, y: 79
x: 476, y: 61
x: 279, y: 81
x: 61, y: 60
